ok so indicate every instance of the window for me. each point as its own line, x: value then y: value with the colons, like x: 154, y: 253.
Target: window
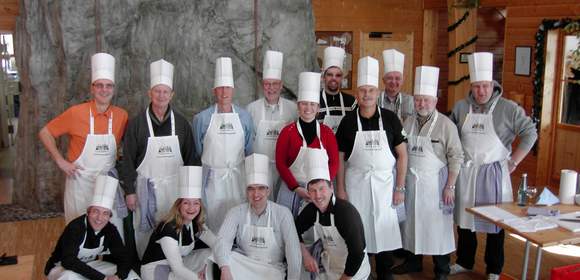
x: 570, y: 82
x: 7, y: 53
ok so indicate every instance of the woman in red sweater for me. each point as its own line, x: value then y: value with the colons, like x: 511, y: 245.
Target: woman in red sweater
x: 302, y: 139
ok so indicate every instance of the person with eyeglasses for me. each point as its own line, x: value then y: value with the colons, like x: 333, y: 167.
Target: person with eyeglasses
x: 95, y: 129
x: 270, y: 114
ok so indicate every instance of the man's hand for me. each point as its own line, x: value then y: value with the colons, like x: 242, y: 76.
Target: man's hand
x: 67, y: 167
x: 226, y: 273
x: 344, y: 277
x: 341, y: 194
x: 303, y: 193
x: 112, y: 277
x: 310, y: 263
x: 201, y: 273
x: 398, y: 197
x: 448, y: 196
x: 131, y: 201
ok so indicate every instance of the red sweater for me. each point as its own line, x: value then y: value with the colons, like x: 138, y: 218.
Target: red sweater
x: 289, y: 144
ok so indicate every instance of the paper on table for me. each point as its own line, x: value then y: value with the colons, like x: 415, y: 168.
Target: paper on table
x: 547, y: 198
x: 534, y: 224
x: 571, y: 226
x: 494, y: 213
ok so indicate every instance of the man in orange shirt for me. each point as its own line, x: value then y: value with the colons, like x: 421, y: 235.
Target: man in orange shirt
x: 95, y: 128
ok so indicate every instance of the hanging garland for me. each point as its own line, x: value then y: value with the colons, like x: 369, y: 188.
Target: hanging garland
x: 457, y: 23
x: 460, y: 47
x: 456, y: 82
x: 539, y: 55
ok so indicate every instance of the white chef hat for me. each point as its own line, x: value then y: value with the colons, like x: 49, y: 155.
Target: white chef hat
x: 105, y: 190
x: 161, y: 72
x: 190, y: 181
x: 309, y: 87
x: 394, y: 61
x: 480, y: 67
x: 368, y: 72
x: 102, y: 67
x: 333, y: 56
x: 272, y: 68
x: 317, y: 165
x: 224, y: 75
x: 426, y: 80
x: 257, y: 170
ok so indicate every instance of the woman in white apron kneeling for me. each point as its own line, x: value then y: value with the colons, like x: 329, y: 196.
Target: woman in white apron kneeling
x: 179, y: 246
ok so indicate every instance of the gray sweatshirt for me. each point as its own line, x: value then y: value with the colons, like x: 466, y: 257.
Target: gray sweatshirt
x: 509, y: 119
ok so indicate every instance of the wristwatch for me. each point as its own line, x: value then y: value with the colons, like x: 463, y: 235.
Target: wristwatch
x: 400, y: 189
x: 450, y: 187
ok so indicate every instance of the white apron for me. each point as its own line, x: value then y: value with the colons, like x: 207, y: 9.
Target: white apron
x: 262, y: 253
x: 335, y: 252
x: 97, y: 157
x: 287, y: 197
x: 369, y: 185
x: 332, y: 121
x: 161, y: 166
x: 427, y: 231
x: 267, y: 132
x: 193, y: 261
x: 481, y: 146
x: 223, y: 158
x: 88, y: 256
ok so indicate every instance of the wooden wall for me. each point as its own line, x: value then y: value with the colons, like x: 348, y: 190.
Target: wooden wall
x: 8, y: 14
x: 372, y: 15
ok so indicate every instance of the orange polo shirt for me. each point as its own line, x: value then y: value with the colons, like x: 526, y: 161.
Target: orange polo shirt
x: 75, y: 122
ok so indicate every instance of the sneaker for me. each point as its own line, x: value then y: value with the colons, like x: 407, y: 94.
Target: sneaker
x: 492, y: 276
x: 456, y: 268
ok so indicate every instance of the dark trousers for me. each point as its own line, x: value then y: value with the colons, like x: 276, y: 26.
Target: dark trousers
x: 384, y: 261
x: 440, y: 263
x: 467, y: 245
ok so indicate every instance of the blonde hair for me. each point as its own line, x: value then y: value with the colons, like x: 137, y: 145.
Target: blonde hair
x: 174, y: 215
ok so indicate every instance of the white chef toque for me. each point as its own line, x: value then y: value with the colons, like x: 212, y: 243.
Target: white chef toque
x: 316, y: 166
x: 272, y: 68
x: 105, y: 191
x: 102, y: 67
x: 257, y: 170
x: 426, y: 80
x: 161, y: 73
x: 368, y: 72
x: 394, y: 61
x: 480, y: 67
x: 190, y: 181
x: 309, y: 87
x: 224, y: 75
x: 333, y: 56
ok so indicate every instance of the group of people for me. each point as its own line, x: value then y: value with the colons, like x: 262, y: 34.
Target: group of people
x: 285, y: 190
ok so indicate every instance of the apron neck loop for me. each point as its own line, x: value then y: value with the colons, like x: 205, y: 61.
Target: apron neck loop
x: 266, y: 104
x: 326, y: 103
x: 92, y: 123
x: 304, y: 144
x: 267, y: 210
x: 217, y: 112
x: 150, y: 125
x: 359, y: 124
x: 491, y: 108
x: 431, y: 127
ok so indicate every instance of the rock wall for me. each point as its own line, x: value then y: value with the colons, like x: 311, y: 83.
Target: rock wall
x: 55, y: 40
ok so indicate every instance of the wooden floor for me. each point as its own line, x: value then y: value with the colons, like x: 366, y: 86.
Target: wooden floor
x: 38, y: 238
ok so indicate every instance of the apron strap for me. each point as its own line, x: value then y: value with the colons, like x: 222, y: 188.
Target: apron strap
x: 343, y: 113
x: 490, y: 108
x: 359, y: 124
x: 266, y: 105
x: 91, y: 122
x: 398, y: 102
x: 431, y: 127
x: 304, y: 144
x: 150, y: 126
x: 248, y: 217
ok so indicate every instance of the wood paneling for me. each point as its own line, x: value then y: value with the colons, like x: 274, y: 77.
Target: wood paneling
x: 32, y: 237
x: 8, y: 13
x: 566, y: 150
x: 397, y: 16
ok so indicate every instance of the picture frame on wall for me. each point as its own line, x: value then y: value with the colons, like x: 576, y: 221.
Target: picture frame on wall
x: 463, y: 57
x: 342, y: 39
x: 523, y: 61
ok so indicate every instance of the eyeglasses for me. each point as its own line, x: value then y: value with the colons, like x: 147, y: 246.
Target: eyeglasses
x: 272, y: 84
x: 102, y: 86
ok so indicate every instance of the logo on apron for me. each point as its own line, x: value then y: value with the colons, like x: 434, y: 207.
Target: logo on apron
x: 272, y: 133
x: 417, y: 150
x: 372, y: 144
x: 478, y: 128
x: 226, y: 128
x: 102, y: 149
x: 258, y: 242
x: 328, y: 238
x: 165, y: 151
